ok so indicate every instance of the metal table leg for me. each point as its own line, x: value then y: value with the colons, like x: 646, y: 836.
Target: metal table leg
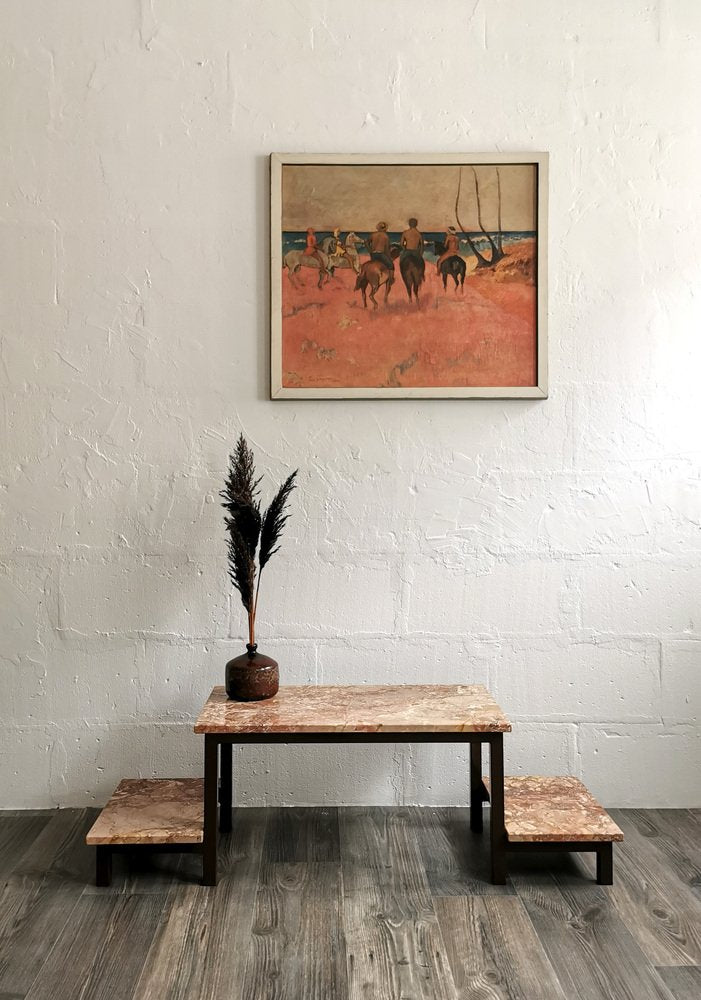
x: 103, y: 865
x: 209, y: 846
x: 225, y: 788
x: 496, y: 795
x: 476, y: 794
x: 604, y: 863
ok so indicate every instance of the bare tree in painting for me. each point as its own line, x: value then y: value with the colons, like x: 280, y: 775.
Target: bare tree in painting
x: 497, y: 252
x: 500, y: 236
x: 481, y: 261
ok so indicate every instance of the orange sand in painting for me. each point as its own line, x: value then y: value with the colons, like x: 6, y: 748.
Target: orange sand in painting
x: 482, y: 337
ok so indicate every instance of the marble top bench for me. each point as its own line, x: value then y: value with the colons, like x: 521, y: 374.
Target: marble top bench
x: 543, y: 813
x: 539, y: 809
x: 151, y: 811
x: 405, y: 708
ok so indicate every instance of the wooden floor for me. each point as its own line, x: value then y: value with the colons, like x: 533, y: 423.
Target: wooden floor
x: 326, y: 904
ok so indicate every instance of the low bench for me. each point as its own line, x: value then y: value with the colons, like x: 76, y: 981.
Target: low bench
x: 148, y: 814
x: 558, y: 814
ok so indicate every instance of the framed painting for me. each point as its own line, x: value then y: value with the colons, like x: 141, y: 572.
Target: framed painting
x: 409, y: 276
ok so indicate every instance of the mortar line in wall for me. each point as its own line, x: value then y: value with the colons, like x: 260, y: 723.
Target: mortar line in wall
x: 565, y: 720
x: 401, y: 620
x: 180, y: 640
x: 584, y: 635
x: 660, y: 677
x: 671, y: 727
x: 577, y: 762
x: 580, y: 634
x: 230, y: 616
x: 577, y: 752
x: 59, y: 627
x: 401, y: 751
x: 492, y: 677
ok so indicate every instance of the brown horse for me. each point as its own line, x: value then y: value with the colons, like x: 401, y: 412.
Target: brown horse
x: 374, y: 274
x: 412, y: 268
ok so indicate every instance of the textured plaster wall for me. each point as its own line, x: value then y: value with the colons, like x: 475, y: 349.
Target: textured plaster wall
x: 550, y: 549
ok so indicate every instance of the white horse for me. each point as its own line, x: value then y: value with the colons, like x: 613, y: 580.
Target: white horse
x: 294, y: 259
x: 350, y: 257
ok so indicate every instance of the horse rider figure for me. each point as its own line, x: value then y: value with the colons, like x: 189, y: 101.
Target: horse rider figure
x: 312, y: 250
x: 379, y: 246
x: 333, y: 245
x: 412, y: 242
x: 451, y: 248
x: 338, y: 247
x: 349, y: 251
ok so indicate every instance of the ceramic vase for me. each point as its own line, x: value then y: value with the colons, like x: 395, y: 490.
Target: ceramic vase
x: 251, y: 676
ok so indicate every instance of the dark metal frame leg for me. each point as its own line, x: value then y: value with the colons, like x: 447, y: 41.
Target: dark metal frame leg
x: 604, y: 864
x: 476, y: 795
x: 225, y: 788
x: 497, y: 830
x: 103, y: 865
x: 209, y: 845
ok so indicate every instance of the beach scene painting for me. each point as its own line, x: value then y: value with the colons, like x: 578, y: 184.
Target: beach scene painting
x: 408, y: 276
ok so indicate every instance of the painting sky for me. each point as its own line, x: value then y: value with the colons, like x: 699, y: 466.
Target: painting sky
x: 358, y: 197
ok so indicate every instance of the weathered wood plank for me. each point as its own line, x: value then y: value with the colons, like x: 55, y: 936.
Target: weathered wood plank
x: 679, y: 853
x: 679, y: 823
x: 661, y: 912
x: 684, y: 982
x: 200, y: 948
x: 493, y: 950
x: 232, y: 906
x: 693, y: 818
x: 683, y: 827
x: 297, y: 946
x: 305, y: 834
x: 394, y: 944
x: 456, y: 860
x: 176, y: 959
x: 101, y: 951
x: 590, y: 948
x: 40, y: 895
x: 16, y: 833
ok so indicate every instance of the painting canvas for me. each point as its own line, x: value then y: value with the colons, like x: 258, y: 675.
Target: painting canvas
x: 408, y: 276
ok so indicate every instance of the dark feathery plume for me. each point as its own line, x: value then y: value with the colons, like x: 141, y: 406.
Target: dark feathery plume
x: 241, y: 486
x: 274, y: 521
x: 246, y: 527
x: 247, y: 522
x: 242, y: 568
x: 240, y: 496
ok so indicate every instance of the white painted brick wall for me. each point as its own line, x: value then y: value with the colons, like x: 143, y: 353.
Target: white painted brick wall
x: 681, y: 682
x: 578, y: 679
x: 549, y: 549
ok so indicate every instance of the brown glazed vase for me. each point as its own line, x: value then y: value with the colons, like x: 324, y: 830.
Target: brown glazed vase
x: 251, y: 676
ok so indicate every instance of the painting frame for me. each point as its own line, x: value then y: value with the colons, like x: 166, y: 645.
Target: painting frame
x: 537, y: 390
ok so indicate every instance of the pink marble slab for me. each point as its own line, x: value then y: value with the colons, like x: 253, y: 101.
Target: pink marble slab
x: 152, y: 811
x: 393, y: 708
x: 554, y: 809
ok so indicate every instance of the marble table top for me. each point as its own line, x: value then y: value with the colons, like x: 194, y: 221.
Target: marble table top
x: 548, y: 809
x: 152, y: 811
x: 398, y: 708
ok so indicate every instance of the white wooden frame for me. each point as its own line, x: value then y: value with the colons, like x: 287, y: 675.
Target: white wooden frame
x: 278, y: 391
